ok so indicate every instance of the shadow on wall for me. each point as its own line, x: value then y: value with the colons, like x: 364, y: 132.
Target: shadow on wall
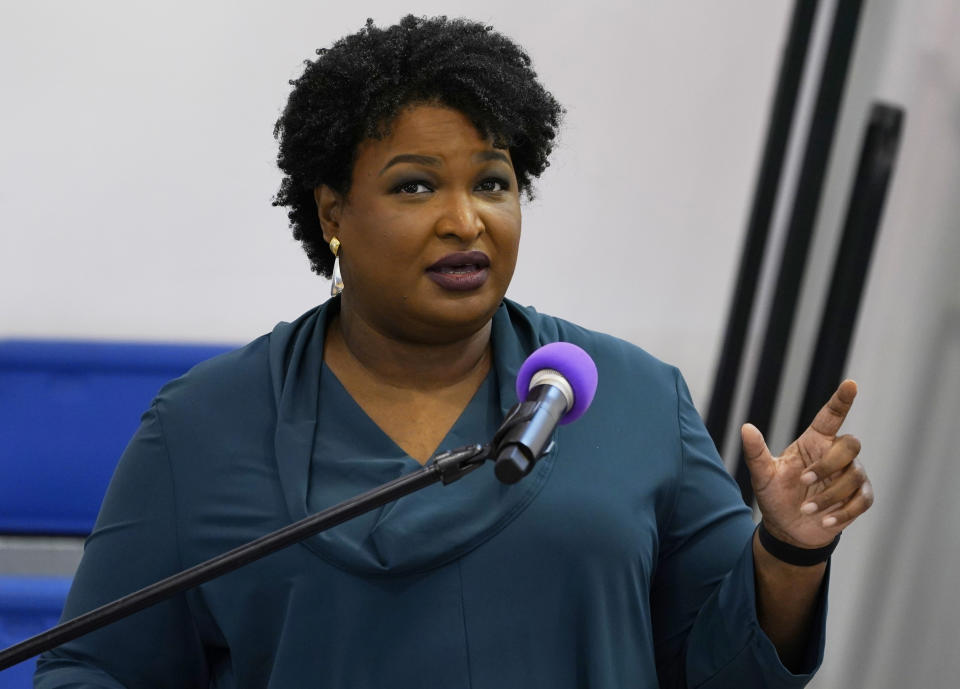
x: 908, y: 605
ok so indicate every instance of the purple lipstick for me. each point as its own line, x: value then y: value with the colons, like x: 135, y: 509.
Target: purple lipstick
x: 462, y: 271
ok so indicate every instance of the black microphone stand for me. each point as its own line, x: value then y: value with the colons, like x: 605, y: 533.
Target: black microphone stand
x: 448, y: 467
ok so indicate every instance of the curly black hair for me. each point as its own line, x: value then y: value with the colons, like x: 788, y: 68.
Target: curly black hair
x: 354, y: 90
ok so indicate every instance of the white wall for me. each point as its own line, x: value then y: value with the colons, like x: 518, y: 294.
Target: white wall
x: 137, y: 164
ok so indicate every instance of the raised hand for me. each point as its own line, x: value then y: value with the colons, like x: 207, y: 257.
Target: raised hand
x: 817, y: 487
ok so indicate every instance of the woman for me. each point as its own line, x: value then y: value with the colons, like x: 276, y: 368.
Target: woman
x: 626, y: 558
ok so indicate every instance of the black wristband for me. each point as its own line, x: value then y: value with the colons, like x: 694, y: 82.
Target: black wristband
x: 791, y: 554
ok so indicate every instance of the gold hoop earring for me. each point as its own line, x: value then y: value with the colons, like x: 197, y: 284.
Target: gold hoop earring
x: 336, y: 284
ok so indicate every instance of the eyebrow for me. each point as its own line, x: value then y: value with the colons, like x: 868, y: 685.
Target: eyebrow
x: 430, y: 161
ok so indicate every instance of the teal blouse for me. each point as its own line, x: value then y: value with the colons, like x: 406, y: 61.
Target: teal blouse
x: 623, y: 560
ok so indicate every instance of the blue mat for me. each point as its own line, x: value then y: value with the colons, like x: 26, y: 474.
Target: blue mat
x: 67, y: 411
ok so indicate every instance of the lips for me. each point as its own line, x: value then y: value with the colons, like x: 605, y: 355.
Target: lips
x: 461, y: 271
x: 461, y: 262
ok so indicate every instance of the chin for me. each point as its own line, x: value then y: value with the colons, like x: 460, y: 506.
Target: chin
x: 461, y: 317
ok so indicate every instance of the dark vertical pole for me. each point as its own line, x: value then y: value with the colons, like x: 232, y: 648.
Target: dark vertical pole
x: 758, y: 226
x: 877, y: 159
x: 803, y: 215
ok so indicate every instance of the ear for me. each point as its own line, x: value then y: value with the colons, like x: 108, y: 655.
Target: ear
x: 329, y: 208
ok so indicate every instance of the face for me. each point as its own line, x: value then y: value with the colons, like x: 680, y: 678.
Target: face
x: 429, y: 230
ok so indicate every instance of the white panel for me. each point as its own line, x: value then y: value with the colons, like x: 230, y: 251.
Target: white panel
x: 894, y: 601
x: 137, y: 164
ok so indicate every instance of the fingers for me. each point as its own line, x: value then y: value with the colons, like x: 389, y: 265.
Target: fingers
x: 755, y: 452
x: 841, y: 453
x: 848, y: 492
x: 754, y: 446
x: 841, y: 489
x: 830, y: 417
x: 852, y: 509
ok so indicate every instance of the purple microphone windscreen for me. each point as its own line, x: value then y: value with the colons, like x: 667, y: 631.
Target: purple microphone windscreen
x: 572, y: 363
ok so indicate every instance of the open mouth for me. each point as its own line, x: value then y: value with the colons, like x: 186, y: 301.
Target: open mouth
x: 461, y: 271
x: 461, y: 262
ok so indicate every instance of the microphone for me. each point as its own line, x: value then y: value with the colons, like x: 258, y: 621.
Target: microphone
x: 555, y: 386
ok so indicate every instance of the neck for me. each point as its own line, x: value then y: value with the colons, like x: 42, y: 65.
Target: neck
x: 355, y: 343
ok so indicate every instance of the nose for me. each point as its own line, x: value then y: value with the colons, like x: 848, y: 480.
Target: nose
x: 460, y: 219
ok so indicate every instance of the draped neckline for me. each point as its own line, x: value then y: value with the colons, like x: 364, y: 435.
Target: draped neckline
x: 328, y: 450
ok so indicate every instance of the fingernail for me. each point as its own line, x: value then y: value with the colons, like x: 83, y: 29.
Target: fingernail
x: 829, y: 521
x: 809, y: 507
x: 809, y: 478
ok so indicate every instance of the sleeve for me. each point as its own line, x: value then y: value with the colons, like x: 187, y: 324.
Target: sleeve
x: 133, y: 544
x: 703, y: 597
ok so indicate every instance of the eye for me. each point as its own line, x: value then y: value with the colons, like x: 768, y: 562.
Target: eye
x: 492, y: 181
x: 410, y: 188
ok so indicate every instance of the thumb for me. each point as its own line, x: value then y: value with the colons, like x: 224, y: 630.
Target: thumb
x: 755, y: 451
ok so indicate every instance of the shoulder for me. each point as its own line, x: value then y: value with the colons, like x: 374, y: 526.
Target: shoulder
x: 238, y: 382
x: 635, y: 420
x: 620, y: 364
